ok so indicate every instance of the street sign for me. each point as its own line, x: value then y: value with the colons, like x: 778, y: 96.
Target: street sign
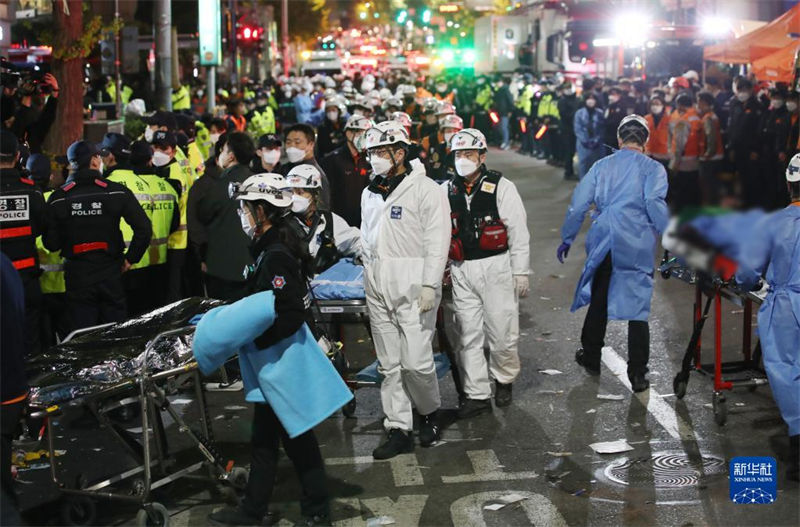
x: 210, y: 27
x: 130, y: 49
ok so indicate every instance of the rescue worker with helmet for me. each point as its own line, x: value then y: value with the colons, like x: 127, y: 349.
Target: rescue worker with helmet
x: 328, y: 236
x: 348, y: 171
x: 23, y: 217
x: 658, y: 122
x: 490, y: 258
x: 628, y: 191
x: 774, y: 253
x: 85, y: 213
x: 438, y: 152
x: 405, y: 235
x: 330, y: 135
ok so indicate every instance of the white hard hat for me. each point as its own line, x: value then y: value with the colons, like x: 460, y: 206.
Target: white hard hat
x: 402, y: 118
x: 136, y: 107
x: 468, y: 139
x: 385, y: 93
x: 451, y: 121
x: 635, y: 126
x: 268, y: 187
x: 359, y: 122
x: 445, y: 108
x: 404, y: 89
x: 392, y: 101
x: 386, y: 133
x: 691, y: 74
x: 304, y: 176
x: 793, y: 170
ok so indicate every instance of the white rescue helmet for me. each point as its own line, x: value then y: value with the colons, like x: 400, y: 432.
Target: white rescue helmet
x: 385, y: 134
x: 633, y: 127
x: 451, y: 121
x: 793, y: 170
x: 445, y: 108
x: 402, y: 118
x: 268, y: 187
x: 304, y: 176
x: 358, y: 122
x: 468, y: 139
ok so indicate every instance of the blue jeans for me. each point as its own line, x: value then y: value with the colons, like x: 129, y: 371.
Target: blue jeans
x: 504, y: 129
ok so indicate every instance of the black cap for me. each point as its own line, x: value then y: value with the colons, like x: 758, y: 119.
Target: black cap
x: 141, y: 152
x: 185, y: 122
x: 38, y: 166
x: 80, y: 154
x: 616, y: 90
x: 163, y: 139
x: 116, y: 144
x: 683, y: 100
x: 162, y: 118
x: 9, y: 146
x: 182, y: 140
x: 269, y: 141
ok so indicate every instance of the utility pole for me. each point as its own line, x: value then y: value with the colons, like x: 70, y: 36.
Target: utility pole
x: 211, y: 89
x: 163, y: 21
x: 232, y: 7
x: 285, y: 35
x: 117, y: 58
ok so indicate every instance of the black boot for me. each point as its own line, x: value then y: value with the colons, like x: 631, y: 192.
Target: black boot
x: 429, y: 432
x: 233, y: 516
x: 580, y: 358
x: 474, y: 408
x: 793, y: 472
x: 502, y: 394
x: 639, y: 382
x: 397, y: 442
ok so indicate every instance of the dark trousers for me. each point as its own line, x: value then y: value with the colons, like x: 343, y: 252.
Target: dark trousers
x: 176, y: 260
x: 594, y: 326
x: 139, y: 291
x: 303, y: 451
x: 33, y: 314
x: 568, y: 148
x: 684, y: 190
x: 9, y: 419
x: 710, y: 183
x: 752, y: 182
x: 222, y: 289
x: 55, y: 321
x: 97, y: 303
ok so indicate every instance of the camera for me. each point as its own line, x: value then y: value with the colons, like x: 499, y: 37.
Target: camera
x: 29, y: 81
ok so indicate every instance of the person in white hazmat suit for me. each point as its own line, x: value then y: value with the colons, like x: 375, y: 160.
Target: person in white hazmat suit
x: 490, y: 259
x: 328, y: 236
x: 405, y: 233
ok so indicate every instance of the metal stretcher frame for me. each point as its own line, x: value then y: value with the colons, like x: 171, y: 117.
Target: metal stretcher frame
x: 146, y: 391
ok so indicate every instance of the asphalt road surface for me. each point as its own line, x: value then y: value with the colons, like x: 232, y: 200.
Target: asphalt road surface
x: 535, y: 453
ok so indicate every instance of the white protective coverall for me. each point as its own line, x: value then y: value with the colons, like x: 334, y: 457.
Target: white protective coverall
x: 485, y: 302
x: 347, y: 238
x: 405, y: 240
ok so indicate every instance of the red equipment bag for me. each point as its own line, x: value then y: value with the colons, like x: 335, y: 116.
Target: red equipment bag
x: 494, y: 236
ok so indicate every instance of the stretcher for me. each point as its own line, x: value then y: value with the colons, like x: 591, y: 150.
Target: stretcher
x: 144, y: 394
x: 716, y: 283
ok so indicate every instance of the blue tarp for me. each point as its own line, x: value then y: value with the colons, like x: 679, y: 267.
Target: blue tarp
x: 342, y: 281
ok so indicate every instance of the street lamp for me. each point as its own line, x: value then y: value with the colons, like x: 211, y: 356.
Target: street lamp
x: 715, y: 26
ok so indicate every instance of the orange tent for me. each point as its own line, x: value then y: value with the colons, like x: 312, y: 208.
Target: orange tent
x: 777, y: 66
x: 759, y: 43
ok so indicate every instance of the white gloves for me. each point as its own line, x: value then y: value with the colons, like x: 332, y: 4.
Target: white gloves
x: 521, y: 285
x: 427, y: 298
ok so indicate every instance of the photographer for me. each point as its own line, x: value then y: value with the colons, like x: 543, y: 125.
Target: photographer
x: 36, y: 111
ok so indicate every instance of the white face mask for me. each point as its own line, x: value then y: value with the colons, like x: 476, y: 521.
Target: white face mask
x: 270, y: 157
x: 591, y: 103
x: 223, y: 160
x: 300, y: 204
x: 295, y: 154
x: 791, y: 106
x: 247, y: 227
x: 102, y: 167
x: 380, y: 165
x: 613, y: 98
x: 743, y: 96
x: 668, y: 97
x: 465, y: 166
x: 333, y: 116
x: 360, y: 113
x: 776, y: 103
x: 214, y: 138
x: 148, y: 134
x: 656, y: 109
x: 160, y: 158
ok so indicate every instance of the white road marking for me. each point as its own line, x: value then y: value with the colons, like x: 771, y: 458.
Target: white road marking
x: 660, y: 410
x: 405, y: 467
x: 406, y: 510
x: 468, y: 511
x: 486, y: 467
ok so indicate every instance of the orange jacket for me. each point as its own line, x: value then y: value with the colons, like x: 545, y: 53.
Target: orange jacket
x: 686, y: 141
x: 658, y: 144
x: 711, y: 138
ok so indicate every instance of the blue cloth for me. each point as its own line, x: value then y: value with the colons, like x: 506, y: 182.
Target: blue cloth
x: 305, y: 111
x: 294, y: 376
x: 776, y: 250
x: 371, y: 374
x: 588, y: 146
x: 342, y: 281
x: 628, y: 191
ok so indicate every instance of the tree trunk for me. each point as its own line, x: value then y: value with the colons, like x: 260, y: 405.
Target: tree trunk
x: 68, y: 126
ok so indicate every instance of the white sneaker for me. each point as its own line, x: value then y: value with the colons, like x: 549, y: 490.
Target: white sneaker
x: 235, y: 386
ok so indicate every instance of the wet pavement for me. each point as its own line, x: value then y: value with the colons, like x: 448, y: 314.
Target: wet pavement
x: 534, y: 454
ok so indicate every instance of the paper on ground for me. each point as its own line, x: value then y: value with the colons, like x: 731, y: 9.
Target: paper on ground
x: 610, y: 396
x: 611, y: 447
x: 551, y: 372
x: 505, y: 500
x: 380, y: 520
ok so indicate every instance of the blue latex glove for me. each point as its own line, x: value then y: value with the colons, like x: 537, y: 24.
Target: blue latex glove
x: 195, y: 319
x: 562, y: 252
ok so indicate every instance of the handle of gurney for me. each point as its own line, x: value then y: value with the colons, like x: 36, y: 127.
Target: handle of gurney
x: 50, y: 411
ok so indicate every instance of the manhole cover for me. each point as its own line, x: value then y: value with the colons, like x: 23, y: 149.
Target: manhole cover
x: 664, y: 470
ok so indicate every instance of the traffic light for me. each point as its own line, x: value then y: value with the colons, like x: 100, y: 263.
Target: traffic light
x: 580, y: 46
x: 402, y: 16
x: 249, y: 33
x: 426, y: 16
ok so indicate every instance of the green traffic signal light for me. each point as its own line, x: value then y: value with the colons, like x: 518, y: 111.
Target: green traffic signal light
x: 426, y: 16
x: 402, y: 16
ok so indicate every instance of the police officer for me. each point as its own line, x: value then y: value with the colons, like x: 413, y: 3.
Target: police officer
x: 22, y: 219
x: 744, y: 141
x: 489, y: 269
x: 85, y: 213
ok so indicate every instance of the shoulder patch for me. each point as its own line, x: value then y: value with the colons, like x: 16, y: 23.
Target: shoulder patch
x: 100, y: 183
x: 488, y: 187
x: 67, y: 186
x: 27, y: 181
x: 278, y: 282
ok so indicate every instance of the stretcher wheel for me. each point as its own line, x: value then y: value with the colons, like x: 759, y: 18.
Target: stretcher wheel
x: 238, y: 477
x: 720, y: 409
x: 78, y: 511
x: 152, y: 515
x: 349, y: 409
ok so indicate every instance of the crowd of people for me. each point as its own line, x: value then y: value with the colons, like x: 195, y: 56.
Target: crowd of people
x: 392, y: 171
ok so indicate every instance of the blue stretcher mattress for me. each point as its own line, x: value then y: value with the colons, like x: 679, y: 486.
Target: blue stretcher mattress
x: 342, y: 281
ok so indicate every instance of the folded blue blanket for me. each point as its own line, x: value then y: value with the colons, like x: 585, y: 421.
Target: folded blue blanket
x: 342, y: 281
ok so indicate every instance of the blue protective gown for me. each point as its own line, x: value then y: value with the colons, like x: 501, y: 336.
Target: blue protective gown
x: 628, y: 190
x: 589, y: 146
x: 776, y: 250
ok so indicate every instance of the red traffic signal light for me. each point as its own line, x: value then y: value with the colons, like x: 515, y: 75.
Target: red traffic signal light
x: 249, y: 33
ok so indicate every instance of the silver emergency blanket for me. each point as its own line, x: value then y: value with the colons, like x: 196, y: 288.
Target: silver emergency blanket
x: 107, y: 356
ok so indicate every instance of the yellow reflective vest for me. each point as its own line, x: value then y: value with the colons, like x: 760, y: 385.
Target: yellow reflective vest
x: 195, y: 159
x: 186, y: 166
x: 548, y: 106
x: 141, y: 191
x: 262, y: 122
x: 179, y: 239
x: 203, y: 139
x: 164, y: 206
x: 181, y: 99
x: 51, y: 264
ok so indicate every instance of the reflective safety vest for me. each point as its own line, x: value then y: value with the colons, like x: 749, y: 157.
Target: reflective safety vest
x: 484, y: 97
x: 239, y: 123
x: 711, y: 135
x: 525, y: 101
x: 195, y: 159
x: 548, y: 106
x: 181, y: 99
x: 262, y: 122
x: 179, y: 239
x: 141, y: 191
x: 52, y: 265
x: 186, y: 166
x: 686, y: 141
x: 658, y: 143
x: 111, y: 90
x: 203, y: 139
x: 164, y: 205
